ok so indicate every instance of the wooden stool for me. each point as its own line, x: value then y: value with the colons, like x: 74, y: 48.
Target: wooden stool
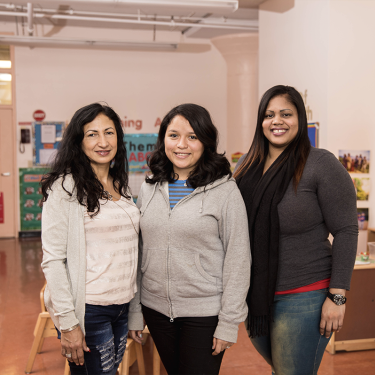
x: 132, y: 353
x: 44, y: 328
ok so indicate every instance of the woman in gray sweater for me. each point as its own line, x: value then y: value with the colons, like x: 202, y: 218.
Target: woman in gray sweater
x: 195, y: 258
x: 90, y: 242
x: 295, y: 195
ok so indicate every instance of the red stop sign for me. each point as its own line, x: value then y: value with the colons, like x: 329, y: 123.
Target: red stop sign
x: 39, y: 115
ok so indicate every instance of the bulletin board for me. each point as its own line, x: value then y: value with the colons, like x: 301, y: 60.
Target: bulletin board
x: 138, y: 147
x: 46, y: 138
x: 313, y: 132
x: 30, y: 197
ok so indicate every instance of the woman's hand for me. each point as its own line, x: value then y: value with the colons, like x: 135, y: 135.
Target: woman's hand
x: 220, y: 345
x: 74, y: 343
x: 136, y: 336
x: 332, y: 317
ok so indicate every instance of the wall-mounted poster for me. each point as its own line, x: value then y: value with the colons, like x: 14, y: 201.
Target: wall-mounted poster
x: 46, y: 137
x: 362, y: 188
x: 138, y: 147
x: 355, y: 161
x: 30, y: 198
x: 313, y: 133
x: 362, y: 214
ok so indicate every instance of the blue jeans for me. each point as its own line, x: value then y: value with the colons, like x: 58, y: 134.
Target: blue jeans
x: 294, y: 345
x: 106, y: 335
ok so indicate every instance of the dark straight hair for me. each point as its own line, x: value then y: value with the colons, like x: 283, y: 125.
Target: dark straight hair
x: 71, y: 159
x: 210, y: 167
x: 300, y: 146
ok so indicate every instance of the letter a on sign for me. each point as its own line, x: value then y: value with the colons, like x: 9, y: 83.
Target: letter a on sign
x: 158, y: 122
x: 1, y: 208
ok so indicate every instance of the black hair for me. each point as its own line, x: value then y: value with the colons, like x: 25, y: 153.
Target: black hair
x: 210, y: 167
x: 71, y: 159
x: 300, y: 145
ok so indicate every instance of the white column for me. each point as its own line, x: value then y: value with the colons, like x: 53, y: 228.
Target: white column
x: 240, y: 52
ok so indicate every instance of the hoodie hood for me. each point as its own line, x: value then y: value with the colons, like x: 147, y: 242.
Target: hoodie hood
x: 202, y: 189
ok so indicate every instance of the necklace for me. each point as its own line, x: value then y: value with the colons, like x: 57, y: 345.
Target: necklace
x: 109, y: 196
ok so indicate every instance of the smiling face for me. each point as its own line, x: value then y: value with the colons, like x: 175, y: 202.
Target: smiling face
x: 100, y: 141
x: 182, y: 146
x: 280, y: 124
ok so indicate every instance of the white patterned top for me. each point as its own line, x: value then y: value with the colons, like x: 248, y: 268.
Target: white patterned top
x: 112, y: 253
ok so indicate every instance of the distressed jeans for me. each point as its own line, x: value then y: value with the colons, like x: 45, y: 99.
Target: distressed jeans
x: 294, y: 346
x: 106, y: 335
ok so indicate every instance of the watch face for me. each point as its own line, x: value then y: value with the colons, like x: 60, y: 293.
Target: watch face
x: 339, y: 299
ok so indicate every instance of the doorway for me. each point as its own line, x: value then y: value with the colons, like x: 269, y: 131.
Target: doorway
x: 8, y: 162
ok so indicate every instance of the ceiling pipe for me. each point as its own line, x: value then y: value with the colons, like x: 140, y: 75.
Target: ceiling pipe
x: 102, y: 14
x: 220, y: 5
x: 70, y: 42
x: 171, y: 23
x: 30, y: 19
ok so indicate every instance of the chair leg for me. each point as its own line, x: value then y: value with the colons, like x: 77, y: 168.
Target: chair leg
x: 156, y: 362
x: 67, y: 368
x: 40, y: 345
x: 40, y: 324
x: 140, y: 359
x: 125, y: 363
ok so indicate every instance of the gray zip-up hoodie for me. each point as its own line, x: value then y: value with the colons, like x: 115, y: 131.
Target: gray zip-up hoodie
x: 195, y: 259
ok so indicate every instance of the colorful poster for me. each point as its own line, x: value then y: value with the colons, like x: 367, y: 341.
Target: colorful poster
x: 31, y: 197
x: 138, y: 147
x: 46, y: 137
x: 362, y: 215
x: 355, y: 161
x: 362, y: 188
x: 313, y: 133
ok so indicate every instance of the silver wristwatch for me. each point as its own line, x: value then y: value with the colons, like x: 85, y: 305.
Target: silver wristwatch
x: 338, y: 299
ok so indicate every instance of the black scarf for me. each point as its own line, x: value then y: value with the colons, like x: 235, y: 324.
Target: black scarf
x: 262, y: 194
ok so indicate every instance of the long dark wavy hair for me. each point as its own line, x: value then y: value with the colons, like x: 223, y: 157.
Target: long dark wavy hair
x: 210, y: 167
x: 300, y: 145
x: 71, y: 159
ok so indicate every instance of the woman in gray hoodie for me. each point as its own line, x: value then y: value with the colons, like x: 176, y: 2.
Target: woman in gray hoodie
x: 194, y: 268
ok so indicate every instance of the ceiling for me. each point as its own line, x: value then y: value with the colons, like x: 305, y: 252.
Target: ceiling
x: 194, y: 18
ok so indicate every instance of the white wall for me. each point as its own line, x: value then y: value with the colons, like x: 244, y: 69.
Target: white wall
x: 293, y: 51
x: 326, y: 47
x: 141, y: 85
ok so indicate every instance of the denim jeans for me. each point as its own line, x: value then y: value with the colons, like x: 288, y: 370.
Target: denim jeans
x: 294, y: 346
x: 106, y: 335
x: 184, y: 345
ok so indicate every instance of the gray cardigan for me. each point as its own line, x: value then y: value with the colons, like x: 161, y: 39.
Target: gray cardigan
x: 195, y: 259
x: 325, y: 203
x: 64, y: 256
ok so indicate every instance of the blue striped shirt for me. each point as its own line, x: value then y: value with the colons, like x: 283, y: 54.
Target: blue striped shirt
x: 177, y: 191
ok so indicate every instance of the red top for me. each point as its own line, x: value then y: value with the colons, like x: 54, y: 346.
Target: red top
x: 308, y: 288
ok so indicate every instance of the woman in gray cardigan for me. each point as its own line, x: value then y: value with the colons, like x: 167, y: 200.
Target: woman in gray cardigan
x: 295, y: 196
x: 90, y: 231
x: 195, y: 257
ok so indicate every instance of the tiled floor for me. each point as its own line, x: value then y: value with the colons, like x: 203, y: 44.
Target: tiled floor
x: 21, y: 279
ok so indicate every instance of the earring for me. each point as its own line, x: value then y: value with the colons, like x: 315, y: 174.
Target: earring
x: 112, y: 163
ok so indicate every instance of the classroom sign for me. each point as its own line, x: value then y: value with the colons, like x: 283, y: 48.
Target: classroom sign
x: 138, y: 147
